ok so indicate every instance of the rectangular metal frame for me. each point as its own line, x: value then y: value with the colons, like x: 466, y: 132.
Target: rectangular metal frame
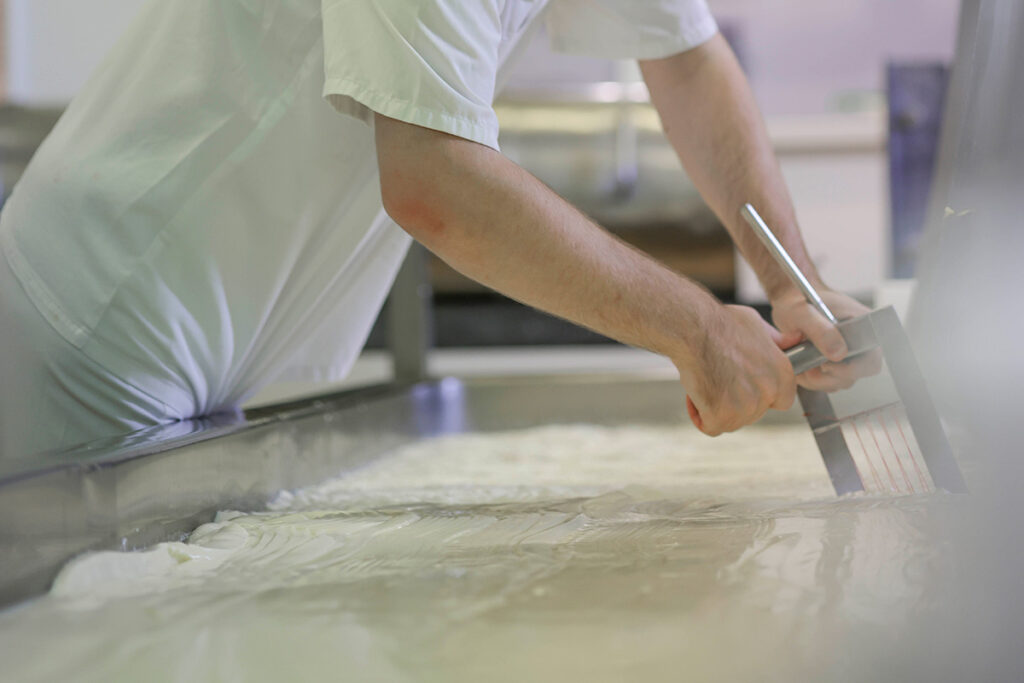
x: 917, y: 402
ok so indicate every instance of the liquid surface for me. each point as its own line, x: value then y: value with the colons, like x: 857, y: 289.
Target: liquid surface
x: 555, y: 553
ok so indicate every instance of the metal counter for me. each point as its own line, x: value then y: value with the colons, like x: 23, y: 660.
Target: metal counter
x: 161, y: 483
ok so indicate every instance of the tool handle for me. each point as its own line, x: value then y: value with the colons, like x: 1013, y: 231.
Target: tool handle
x: 784, y: 260
x: 804, y: 357
x: 858, y: 333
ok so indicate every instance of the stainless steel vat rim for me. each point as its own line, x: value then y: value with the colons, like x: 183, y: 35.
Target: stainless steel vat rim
x: 109, y: 452
x: 112, y: 451
x: 131, y: 493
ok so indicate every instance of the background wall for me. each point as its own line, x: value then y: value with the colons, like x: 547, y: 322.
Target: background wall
x: 804, y: 56
x: 811, y: 55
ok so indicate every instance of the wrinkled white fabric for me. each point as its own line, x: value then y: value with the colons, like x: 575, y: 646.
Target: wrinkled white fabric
x: 201, y: 221
x: 629, y: 29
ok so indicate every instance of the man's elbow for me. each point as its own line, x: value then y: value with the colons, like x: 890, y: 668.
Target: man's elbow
x: 415, y: 207
x: 415, y: 177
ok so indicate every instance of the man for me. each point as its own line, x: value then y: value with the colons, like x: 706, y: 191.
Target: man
x: 201, y: 222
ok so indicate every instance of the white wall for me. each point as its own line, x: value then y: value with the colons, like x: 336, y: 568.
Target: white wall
x: 804, y: 54
x: 53, y: 45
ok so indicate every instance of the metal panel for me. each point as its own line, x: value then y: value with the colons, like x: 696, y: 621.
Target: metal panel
x: 410, y: 317
x: 160, y: 484
x: 969, y: 268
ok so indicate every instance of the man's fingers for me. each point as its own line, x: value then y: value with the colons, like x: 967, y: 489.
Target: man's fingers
x: 824, y: 379
x: 786, y: 393
x: 788, y: 340
x: 730, y: 416
x: 868, y: 364
x: 703, y: 419
x: 762, y: 378
x: 717, y: 422
x: 837, y: 376
x: 824, y: 335
x: 815, y: 380
x: 706, y: 420
x: 695, y: 417
x: 783, y: 340
x: 793, y: 314
x: 849, y: 371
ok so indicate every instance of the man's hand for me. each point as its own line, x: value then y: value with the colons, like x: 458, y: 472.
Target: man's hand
x: 731, y: 162
x: 739, y: 373
x: 798, y: 320
x: 495, y: 223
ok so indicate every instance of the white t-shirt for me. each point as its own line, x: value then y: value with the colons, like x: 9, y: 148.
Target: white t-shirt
x: 201, y: 221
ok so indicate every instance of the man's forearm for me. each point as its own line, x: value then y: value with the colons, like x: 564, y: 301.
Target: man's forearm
x: 710, y: 117
x: 497, y: 224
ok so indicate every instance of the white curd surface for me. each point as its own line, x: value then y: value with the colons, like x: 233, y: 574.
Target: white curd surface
x: 548, y: 554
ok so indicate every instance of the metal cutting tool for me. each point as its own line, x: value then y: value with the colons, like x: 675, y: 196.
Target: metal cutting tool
x: 881, y: 437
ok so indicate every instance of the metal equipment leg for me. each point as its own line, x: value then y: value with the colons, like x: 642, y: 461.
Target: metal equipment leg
x: 410, y: 318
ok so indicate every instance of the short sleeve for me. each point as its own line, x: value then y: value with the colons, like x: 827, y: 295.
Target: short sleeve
x: 629, y: 29
x: 432, y: 63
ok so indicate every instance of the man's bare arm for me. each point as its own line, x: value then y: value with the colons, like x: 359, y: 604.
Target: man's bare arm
x: 710, y: 117
x: 497, y: 224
